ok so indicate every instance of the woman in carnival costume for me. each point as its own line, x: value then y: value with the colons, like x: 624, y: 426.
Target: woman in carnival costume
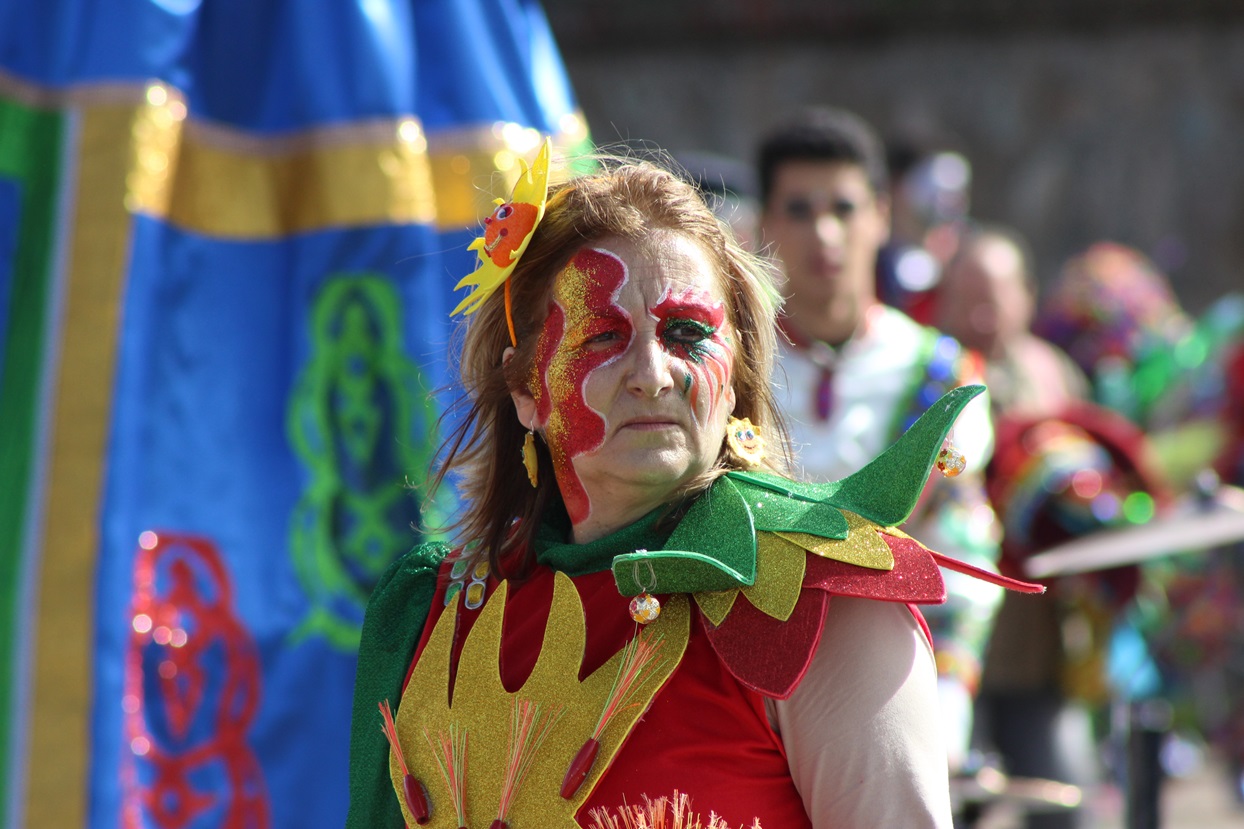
x: 646, y: 620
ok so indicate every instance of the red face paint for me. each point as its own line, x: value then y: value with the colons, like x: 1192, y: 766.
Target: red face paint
x: 691, y: 328
x: 632, y: 367
x: 585, y: 329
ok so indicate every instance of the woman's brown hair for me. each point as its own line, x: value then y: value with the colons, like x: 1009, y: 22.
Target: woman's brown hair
x: 629, y: 199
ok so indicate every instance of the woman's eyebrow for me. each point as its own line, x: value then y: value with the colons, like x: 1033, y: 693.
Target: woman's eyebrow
x: 705, y: 310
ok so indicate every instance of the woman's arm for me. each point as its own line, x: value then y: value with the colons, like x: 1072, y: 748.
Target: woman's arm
x: 862, y: 731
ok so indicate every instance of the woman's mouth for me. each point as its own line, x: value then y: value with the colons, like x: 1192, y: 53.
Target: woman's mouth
x: 649, y: 424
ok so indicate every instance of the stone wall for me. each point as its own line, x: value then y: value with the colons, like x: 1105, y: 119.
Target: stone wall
x: 1133, y: 135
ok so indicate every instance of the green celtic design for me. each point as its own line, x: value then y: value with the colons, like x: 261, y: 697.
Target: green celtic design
x: 362, y: 421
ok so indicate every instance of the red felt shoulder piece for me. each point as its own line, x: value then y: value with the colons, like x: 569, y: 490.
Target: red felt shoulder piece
x: 985, y: 575
x: 771, y: 657
x: 765, y: 654
x: 916, y: 578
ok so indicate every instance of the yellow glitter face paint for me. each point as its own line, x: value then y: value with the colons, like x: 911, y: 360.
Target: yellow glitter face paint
x: 584, y: 309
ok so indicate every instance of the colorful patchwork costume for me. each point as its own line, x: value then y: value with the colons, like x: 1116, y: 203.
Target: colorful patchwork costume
x: 510, y: 682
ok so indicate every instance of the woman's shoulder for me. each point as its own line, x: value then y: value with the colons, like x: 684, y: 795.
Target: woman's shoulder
x: 418, y: 562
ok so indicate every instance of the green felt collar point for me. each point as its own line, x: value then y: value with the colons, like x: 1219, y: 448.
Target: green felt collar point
x: 675, y: 571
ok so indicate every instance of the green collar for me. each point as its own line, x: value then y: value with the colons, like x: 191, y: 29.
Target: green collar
x: 714, y: 545
x: 553, y: 550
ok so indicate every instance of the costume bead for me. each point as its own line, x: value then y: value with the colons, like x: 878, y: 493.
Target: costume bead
x: 950, y: 461
x: 645, y: 608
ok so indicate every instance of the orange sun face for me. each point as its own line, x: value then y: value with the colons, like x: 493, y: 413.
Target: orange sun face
x: 507, y: 232
x: 506, y: 229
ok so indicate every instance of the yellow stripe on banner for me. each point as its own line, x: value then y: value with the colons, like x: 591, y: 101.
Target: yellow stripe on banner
x: 96, y: 266
x: 472, y: 166
x: 231, y: 184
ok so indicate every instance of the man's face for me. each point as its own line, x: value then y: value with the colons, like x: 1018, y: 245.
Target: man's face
x: 826, y: 225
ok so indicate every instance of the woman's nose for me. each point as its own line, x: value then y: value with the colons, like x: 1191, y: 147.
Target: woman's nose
x: 649, y: 373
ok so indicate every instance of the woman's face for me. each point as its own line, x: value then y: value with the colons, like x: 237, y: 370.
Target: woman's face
x: 632, y: 379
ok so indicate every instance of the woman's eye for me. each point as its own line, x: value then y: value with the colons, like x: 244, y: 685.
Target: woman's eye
x: 687, y: 332
x: 603, y: 338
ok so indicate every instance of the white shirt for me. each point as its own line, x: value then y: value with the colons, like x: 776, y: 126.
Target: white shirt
x: 874, y: 375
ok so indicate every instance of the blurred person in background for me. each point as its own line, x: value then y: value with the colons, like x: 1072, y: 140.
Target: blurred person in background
x: 986, y: 300
x: 930, y: 196
x: 854, y: 373
x: 1046, y: 690
x: 1116, y: 314
x: 1230, y: 469
x: 1055, y: 454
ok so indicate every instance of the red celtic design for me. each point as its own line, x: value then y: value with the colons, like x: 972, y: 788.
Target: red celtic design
x: 191, y: 691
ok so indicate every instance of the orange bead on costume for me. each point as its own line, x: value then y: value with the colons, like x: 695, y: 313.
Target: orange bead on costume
x: 950, y: 461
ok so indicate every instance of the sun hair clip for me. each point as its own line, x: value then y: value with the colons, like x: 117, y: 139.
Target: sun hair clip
x: 507, y: 233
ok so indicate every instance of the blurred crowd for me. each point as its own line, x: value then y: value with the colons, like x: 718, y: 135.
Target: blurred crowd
x: 1112, y: 464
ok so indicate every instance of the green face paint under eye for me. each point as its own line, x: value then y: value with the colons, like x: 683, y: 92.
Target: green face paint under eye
x: 688, y: 338
x: 691, y: 329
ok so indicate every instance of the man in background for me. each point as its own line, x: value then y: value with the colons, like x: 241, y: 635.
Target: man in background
x: 854, y: 373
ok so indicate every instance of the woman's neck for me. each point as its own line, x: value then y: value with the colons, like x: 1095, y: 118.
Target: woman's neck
x: 618, y: 508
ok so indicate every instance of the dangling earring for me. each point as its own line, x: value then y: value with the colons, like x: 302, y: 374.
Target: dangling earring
x: 744, y: 440
x: 950, y: 461
x: 530, y: 461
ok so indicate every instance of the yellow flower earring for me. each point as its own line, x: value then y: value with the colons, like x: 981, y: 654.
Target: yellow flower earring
x: 745, y: 441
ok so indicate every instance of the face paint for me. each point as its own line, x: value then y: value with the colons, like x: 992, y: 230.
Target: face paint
x: 631, y: 378
x: 585, y: 329
x: 691, y: 327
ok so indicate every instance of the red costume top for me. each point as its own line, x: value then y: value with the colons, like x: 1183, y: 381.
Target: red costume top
x: 524, y: 672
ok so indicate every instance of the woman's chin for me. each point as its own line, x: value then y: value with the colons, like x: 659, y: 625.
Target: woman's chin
x: 661, y: 471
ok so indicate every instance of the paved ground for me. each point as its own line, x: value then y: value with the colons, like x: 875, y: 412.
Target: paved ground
x: 1201, y: 800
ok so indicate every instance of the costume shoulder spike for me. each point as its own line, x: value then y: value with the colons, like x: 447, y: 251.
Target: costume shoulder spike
x: 887, y: 489
x: 507, y: 232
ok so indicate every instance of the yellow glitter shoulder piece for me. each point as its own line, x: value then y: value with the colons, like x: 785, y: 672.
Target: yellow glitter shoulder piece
x: 507, y: 232
x: 862, y: 547
x: 780, y: 560
x: 716, y: 604
x: 779, y: 577
x: 481, y: 710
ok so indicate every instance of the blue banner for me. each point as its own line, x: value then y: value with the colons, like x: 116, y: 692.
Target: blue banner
x: 260, y: 212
